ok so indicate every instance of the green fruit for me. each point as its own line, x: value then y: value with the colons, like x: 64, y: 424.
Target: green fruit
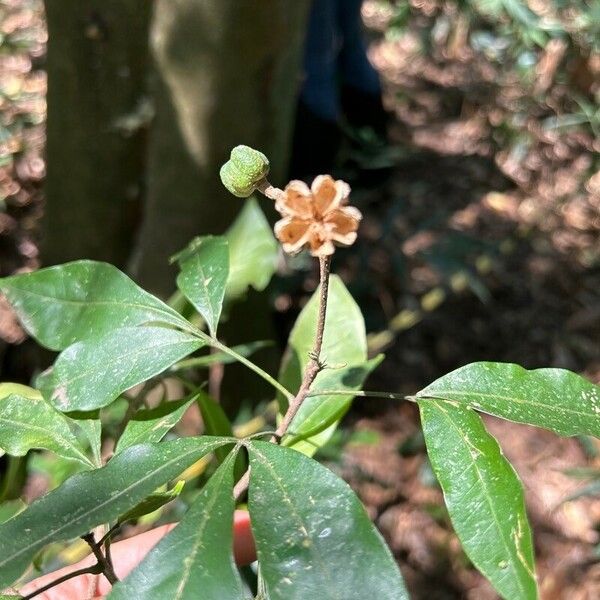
x: 244, y: 170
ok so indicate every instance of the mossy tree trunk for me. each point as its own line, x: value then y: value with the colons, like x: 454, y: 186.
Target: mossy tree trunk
x: 226, y: 74
x: 97, y: 66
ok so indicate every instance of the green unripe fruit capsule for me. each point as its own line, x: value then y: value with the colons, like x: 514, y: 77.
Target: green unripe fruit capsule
x: 244, y: 170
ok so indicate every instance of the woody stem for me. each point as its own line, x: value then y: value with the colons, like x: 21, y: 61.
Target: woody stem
x: 313, y: 367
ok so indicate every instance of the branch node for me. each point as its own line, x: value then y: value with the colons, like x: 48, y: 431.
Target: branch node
x: 312, y: 369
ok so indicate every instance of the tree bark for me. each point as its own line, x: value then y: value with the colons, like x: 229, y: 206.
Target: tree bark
x: 226, y: 74
x: 97, y: 65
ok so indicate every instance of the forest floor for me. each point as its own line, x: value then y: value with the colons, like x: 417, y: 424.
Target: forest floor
x: 469, y: 251
x: 475, y: 252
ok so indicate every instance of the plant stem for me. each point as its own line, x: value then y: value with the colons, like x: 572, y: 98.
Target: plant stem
x: 109, y: 534
x: 108, y: 555
x: 265, y: 188
x: 93, y: 570
x: 103, y: 565
x: 215, y: 343
x: 107, y: 569
x: 312, y: 369
x: 362, y: 394
x: 314, y: 365
x: 241, y: 486
x: 248, y: 363
x: 218, y: 357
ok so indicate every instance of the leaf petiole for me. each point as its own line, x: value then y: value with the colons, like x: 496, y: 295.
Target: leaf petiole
x: 252, y: 366
x: 362, y: 394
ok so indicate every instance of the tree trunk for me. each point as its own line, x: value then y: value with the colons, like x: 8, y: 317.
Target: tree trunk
x: 97, y: 67
x: 227, y: 74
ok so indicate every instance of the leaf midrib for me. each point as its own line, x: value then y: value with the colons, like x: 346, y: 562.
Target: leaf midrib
x: 198, y: 536
x: 174, y: 317
x: 518, y: 400
x: 99, y: 367
x: 487, y: 497
x: 42, y: 541
x: 57, y: 436
x: 323, y: 561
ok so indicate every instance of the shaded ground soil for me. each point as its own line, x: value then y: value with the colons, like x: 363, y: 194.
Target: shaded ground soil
x: 467, y: 252
x: 474, y: 254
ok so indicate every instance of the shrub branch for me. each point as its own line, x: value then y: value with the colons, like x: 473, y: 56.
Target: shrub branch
x: 313, y: 367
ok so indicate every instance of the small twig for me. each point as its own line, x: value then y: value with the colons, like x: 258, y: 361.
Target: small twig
x: 107, y: 569
x: 92, y: 570
x: 313, y: 367
x: 264, y: 187
x: 109, y: 534
x: 241, y: 487
x: 108, y: 555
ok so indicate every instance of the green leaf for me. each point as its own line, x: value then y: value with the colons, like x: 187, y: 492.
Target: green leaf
x: 151, y: 425
x: 88, y: 499
x: 54, y: 469
x: 483, y: 495
x: 11, y: 508
x: 344, y: 343
x: 203, y: 277
x: 152, y: 503
x: 92, y: 430
x: 27, y: 423
x: 92, y: 373
x: 318, y: 413
x: 81, y: 300
x: 215, y: 421
x: 214, y: 417
x: 6, y: 389
x: 313, y: 536
x: 194, y: 560
x: 252, y: 251
x: 555, y: 399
